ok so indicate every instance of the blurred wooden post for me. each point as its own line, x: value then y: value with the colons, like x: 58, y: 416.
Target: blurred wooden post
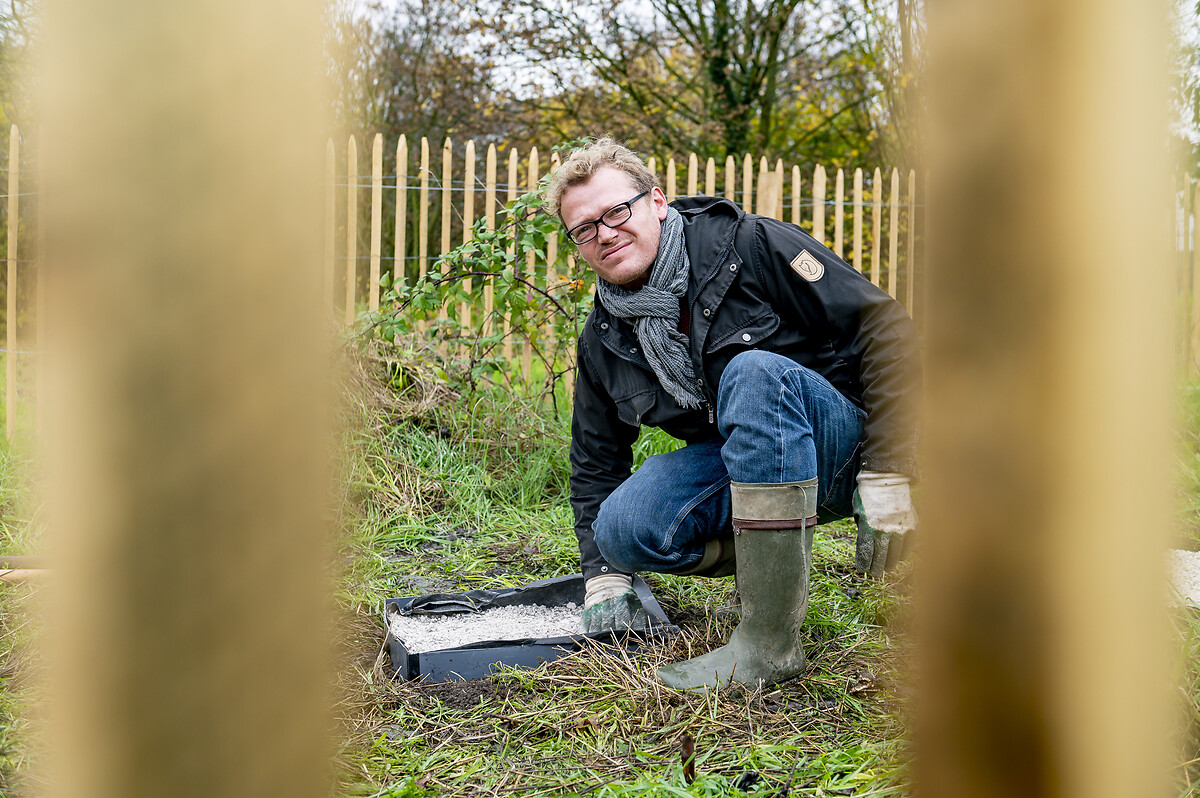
x: 1194, y: 359
x: 693, y: 174
x: 672, y: 181
x: 40, y: 287
x: 1042, y: 611
x: 376, y: 220
x: 351, y: 226
x: 710, y: 177
x: 186, y: 449
x: 730, y: 178
x: 330, y: 227
x: 912, y: 242
x: 14, y: 215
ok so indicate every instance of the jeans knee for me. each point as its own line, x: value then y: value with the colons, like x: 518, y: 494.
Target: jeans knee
x: 751, y: 366
x: 752, y: 384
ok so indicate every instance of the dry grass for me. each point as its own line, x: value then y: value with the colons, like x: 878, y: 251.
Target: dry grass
x: 598, y: 718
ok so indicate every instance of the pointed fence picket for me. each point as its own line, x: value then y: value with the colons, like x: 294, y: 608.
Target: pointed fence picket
x: 396, y: 203
x: 458, y: 195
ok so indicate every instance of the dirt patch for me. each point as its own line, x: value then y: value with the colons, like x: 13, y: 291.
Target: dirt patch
x: 685, y: 617
x: 423, y: 585
x: 515, y: 556
x: 464, y: 695
x: 437, y: 540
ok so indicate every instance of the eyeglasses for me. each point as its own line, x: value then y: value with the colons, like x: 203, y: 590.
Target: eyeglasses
x: 614, y: 217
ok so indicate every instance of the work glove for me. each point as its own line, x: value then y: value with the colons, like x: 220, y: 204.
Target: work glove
x: 611, y: 604
x: 886, y: 521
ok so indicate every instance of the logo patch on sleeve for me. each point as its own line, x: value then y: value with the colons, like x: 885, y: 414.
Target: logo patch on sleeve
x: 808, y: 266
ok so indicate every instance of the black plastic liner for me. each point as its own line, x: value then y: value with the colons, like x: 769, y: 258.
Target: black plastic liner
x: 478, y: 660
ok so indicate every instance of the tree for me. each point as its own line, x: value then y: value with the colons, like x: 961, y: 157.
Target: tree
x: 897, y: 34
x: 18, y: 31
x: 716, y: 77
x: 418, y: 67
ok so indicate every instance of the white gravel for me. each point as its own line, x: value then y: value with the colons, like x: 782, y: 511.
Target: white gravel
x: 1185, y: 574
x: 421, y: 633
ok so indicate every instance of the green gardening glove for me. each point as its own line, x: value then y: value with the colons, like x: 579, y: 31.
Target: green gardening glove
x: 612, y: 605
x: 886, y: 521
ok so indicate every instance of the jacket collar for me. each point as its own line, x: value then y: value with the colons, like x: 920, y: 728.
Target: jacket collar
x: 709, y: 227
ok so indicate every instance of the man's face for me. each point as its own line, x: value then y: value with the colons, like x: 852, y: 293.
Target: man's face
x: 622, y: 256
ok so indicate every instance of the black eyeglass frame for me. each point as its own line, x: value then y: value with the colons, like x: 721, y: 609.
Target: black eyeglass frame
x: 627, y: 205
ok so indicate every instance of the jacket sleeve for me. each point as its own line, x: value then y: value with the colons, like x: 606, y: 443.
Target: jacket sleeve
x: 865, y: 326
x: 601, y: 458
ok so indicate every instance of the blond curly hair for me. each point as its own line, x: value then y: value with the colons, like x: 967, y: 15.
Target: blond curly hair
x: 583, y: 162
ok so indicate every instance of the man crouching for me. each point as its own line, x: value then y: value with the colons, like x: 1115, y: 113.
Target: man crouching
x: 792, y: 379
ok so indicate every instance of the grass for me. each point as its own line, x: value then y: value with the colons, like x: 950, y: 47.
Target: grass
x: 442, y: 494
x: 453, y: 499
x: 20, y: 663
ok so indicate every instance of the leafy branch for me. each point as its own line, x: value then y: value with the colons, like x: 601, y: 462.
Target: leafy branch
x: 476, y: 334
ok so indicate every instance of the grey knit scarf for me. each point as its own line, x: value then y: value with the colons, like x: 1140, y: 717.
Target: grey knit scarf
x: 653, y: 310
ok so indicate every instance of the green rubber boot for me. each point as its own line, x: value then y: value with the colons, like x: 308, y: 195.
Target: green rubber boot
x: 773, y: 534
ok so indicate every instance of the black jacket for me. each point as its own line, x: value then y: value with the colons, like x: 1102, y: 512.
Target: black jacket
x: 750, y: 288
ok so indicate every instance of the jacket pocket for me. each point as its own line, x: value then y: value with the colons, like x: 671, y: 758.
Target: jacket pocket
x: 747, y: 334
x: 631, y: 409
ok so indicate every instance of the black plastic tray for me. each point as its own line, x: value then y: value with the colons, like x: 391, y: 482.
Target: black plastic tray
x: 478, y: 660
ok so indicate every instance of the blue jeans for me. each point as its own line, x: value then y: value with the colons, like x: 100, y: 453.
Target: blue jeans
x: 780, y: 422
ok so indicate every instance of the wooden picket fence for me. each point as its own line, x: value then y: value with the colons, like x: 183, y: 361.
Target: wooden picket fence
x: 763, y: 188
x: 875, y: 219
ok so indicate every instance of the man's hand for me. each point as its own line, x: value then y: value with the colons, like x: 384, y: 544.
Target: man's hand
x: 611, y: 604
x: 886, y: 521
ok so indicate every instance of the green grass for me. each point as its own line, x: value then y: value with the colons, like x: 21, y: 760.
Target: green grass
x: 452, y: 499
x: 442, y: 492
x: 20, y: 533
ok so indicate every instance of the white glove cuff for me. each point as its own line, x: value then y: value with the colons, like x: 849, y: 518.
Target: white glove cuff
x: 603, y: 588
